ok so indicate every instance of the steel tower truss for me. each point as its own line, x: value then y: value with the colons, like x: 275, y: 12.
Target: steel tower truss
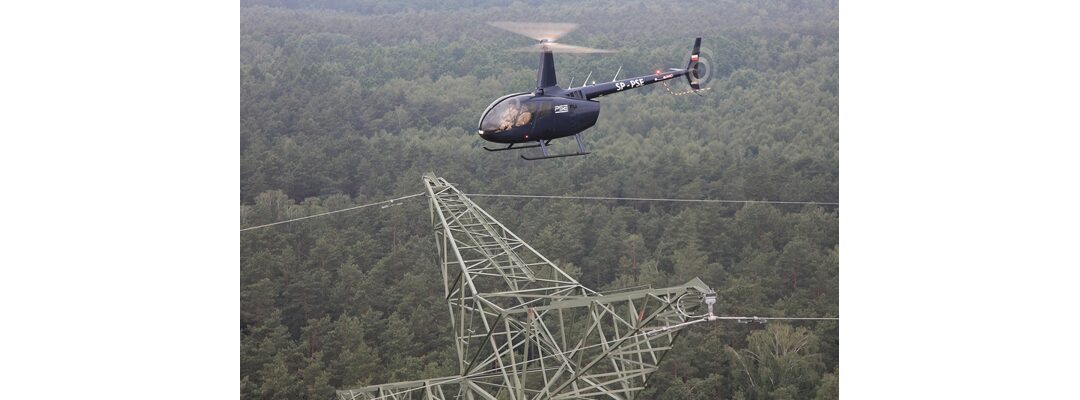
x: 526, y: 330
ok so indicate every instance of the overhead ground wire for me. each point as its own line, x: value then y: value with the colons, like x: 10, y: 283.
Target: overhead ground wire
x: 332, y: 212
x: 536, y: 196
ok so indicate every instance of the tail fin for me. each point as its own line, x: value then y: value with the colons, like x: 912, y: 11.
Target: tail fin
x: 693, y: 68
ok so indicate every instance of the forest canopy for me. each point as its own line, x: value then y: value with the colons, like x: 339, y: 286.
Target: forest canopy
x: 348, y: 102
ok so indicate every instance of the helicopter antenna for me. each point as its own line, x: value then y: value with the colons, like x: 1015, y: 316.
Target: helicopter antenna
x: 616, y: 74
x: 586, y: 79
x: 571, y: 86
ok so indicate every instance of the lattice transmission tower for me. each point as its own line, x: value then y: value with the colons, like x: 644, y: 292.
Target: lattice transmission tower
x: 526, y: 330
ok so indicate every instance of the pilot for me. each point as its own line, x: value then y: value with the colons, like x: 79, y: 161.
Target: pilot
x: 506, y: 118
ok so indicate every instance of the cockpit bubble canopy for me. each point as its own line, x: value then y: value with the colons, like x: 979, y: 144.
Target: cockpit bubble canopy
x: 506, y: 113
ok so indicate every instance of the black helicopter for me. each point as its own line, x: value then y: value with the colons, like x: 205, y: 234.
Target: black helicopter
x: 551, y: 112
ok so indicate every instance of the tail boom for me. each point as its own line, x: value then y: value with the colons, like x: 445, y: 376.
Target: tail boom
x: 693, y: 73
x: 607, y: 88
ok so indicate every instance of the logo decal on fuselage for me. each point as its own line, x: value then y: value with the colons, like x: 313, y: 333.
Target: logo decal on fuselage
x: 561, y: 108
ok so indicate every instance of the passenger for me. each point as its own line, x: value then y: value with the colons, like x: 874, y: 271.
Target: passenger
x: 523, y: 118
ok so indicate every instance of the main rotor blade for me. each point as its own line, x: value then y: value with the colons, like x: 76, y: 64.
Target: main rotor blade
x: 537, y: 30
x: 561, y: 48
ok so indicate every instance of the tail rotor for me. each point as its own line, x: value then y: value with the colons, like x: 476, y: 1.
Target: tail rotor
x: 698, y: 70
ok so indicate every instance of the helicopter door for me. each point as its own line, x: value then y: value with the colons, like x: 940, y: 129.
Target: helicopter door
x: 540, y: 111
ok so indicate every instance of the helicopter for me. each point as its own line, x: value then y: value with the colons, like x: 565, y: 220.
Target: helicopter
x: 551, y: 112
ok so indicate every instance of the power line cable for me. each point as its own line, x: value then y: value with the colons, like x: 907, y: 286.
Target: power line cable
x: 332, y: 212
x: 760, y: 320
x: 649, y: 199
x: 764, y: 319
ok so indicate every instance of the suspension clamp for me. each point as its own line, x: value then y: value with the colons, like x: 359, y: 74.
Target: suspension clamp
x: 710, y: 300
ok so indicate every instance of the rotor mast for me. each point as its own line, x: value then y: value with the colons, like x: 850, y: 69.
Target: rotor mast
x: 545, y: 75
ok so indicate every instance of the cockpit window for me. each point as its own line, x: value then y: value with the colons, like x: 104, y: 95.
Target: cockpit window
x: 510, y: 112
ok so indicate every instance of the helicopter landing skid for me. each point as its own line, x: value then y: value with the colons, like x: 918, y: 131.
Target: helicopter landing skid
x: 543, y: 147
x: 554, y: 156
x: 511, y: 147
